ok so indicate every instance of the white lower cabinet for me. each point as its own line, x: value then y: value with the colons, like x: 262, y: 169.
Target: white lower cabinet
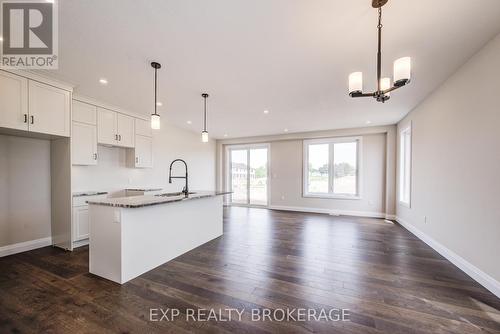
x: 80, y: 219
x: 80, y: 223
x: 84, y: 144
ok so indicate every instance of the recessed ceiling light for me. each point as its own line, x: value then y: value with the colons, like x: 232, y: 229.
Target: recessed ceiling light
x: 225, y: 135
x: 189, y: 122
x: 159, y: 104
x: 103, y: 81
x: 1, y: 39
x: 266, y: 111
x: 368, y: 122
x: 286, y: 130
x: 51, y: 1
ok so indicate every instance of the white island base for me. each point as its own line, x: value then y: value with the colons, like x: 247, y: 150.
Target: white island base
x: 126, y: 242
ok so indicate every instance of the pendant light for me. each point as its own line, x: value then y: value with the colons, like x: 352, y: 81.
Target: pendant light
x: 155, y: 118
x: 204, y: 133
x: 402, y: 69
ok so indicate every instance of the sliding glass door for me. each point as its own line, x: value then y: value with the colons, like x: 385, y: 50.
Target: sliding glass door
x: 248, y: 170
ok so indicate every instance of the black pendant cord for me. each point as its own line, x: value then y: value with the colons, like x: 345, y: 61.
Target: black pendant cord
x: 379, y: 54
x: 205, y: 116
x: 156, y: 89
x: 205, y: 95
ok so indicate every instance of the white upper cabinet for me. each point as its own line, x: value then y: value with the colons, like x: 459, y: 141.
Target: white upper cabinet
x: 49, y: 109
x: 143, y: 152
x: 126, y: 130
x: 114, y: 128
x: 84, y: 144
x: 84, y: 113
x: 143, y: 128
x: 13, y: 101
x: 106, y: 127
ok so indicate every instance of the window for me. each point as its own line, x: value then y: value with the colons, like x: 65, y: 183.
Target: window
x: 405, y: 166
x: 331, y: 168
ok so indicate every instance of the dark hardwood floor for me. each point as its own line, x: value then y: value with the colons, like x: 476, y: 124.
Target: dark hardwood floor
x: 388, y: 280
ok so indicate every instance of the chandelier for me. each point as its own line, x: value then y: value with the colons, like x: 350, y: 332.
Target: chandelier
x: 402, y: 69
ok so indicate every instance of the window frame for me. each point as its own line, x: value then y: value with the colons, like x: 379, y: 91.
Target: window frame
x: 331, y: 159
x: 402, y: 177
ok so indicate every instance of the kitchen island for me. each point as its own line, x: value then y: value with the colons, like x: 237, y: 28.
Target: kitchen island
x: 132, y: 235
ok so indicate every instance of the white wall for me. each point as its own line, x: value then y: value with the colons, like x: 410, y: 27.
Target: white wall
x: 456, y: 163
x: 25, y: 211
x: 378, y: 172
x: 113, y: 174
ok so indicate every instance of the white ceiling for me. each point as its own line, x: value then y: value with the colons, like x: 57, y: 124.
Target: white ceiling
x: 291, y: 57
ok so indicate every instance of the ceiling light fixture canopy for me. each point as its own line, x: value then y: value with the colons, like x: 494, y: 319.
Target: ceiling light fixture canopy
x: 402, y: 69
x: 155, y: 118
x: 204, y: 133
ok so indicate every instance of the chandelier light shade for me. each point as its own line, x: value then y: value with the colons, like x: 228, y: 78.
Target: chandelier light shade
x: 204, y: 133
x: 155, y: 118
x: 402, y: 69
x: 385, y: 83
x: 155, y: 122
x: 204, y: 136
x: 356, y: 82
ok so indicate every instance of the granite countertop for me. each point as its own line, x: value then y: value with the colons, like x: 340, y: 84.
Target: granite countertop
x: 144, y: 189
x: 89, y: 193
x: 149, y: 200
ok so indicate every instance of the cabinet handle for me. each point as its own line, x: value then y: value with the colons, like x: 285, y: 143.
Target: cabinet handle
x: 137, y: 159
x: 32, y: 119
x: 120, y: 136
x: 95, y: 156
x: 116, y: 137
x: 25, y: 118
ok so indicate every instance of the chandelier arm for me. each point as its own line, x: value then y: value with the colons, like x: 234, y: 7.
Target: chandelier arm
x: 391, y: 89
x: 362, y: 94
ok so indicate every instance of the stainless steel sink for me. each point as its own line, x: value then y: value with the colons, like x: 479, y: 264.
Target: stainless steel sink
x: 174, y: 194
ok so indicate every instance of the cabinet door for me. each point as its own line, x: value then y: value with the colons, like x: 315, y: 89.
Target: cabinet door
x: 84, y: 144
x: 49, y: 109
x: 80, y: 223
x: 13, y: 101
x: 106, y: 127
x: 143, y: 152
x: 143, y: 128
x: 84, y: 113
x: 126, y: 133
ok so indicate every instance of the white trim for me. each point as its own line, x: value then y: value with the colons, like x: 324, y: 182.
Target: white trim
x: 477, y: 274
x: 25, y: 246
x: 330, y: 211
x: 99, y: 104
x: 407, y: 129
x: 359, y: 167
x: 227, y: 160
x: 28, y: 74
x: 80, y: 243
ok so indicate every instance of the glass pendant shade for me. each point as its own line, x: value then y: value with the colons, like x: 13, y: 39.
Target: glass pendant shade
x: 402, y: 71
x: 385, y: 83
x: 356, y: 82
x: 155, y: 122
x: 204, y: 136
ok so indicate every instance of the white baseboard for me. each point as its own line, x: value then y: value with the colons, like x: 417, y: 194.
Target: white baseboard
x: 332, y: 212
x: 477, y: 274
x: 25, y: 246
